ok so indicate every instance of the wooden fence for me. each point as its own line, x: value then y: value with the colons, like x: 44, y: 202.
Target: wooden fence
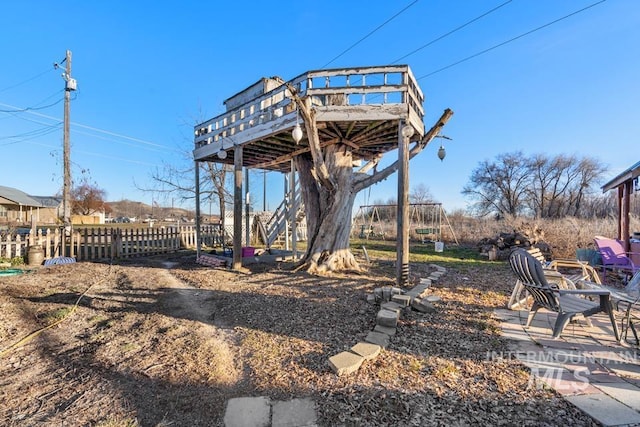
x: 109, y: 243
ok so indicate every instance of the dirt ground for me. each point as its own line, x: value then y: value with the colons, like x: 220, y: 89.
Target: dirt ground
x: 164, y: 341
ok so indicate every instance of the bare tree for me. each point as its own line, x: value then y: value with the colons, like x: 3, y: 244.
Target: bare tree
x: 421, y: 194
x: 171, y: 180
x: 547, y: 187
x: 499, y: 186
x: 329, y: 186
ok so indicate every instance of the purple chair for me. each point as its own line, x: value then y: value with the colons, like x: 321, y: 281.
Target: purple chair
x: 614, y: 256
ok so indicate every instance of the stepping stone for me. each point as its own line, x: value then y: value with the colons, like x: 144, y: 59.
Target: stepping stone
x: 366, y: 350
x: 624, y: 392
x: 392, y: 306
x: 378, y: 338
x: 396, y: 291
x: 248, y: 412
x: 345, y: 363
x: 385, y: 330
x: 386, y: 293
x: 605, y: 409
x: 437, y: 267
x: 403, y: 300
x: 387, y: 318
x: 425, y: 281
x: 371, y: 299
x: 294, y: 413
x: 422, y: 306
x: 418, y: 289
x: 433, y: 298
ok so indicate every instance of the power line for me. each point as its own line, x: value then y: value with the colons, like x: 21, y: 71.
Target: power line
x: 119, y: 142
x: 370, y: 33
x: 30, y: 135
x: 27, y: 80
x: 510, y: 40
x: 451, y: 32
x: 140, y: 141
x: 24, y: 110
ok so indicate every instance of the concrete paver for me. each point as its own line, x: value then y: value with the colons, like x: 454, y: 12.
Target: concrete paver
x: 294, y: 413
x: 385, y: 330
x: 345, y: 363
x: 248, y: 412
x: 585, y: 364
x: 387, y: 318
x: 367, y: 350
x: 623, y: 392
x: 605, y: 409
x: 379, y: 338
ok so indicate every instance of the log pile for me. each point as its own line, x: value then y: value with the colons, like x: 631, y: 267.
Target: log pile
x: 500, y: 246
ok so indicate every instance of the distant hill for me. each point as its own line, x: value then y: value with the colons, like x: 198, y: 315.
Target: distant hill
x: 141, y: 210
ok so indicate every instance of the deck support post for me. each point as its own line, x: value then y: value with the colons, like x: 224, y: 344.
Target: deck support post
x: 402, y: 239
x: 198, y: 244
x: 294, y: 210
x: 237, y: 207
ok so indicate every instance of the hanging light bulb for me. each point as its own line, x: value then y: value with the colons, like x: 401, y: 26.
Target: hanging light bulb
x: 297, y: 133
x: 441, y: 153
x: 222, y: 154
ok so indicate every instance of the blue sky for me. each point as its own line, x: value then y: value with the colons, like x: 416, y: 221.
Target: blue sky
x: 148, y: 71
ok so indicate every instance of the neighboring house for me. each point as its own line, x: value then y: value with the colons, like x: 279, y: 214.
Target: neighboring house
x: 51, y: 209
x: 17, y: 207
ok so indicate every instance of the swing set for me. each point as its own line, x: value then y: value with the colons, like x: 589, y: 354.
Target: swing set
x: 425, y: 222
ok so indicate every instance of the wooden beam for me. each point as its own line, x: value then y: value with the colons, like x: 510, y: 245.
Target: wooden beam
x: 287, y: 157
x: 350, y: 144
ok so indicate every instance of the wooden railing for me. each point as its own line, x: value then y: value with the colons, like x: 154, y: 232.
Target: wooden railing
x: 109, y: 243
x: 392, y: 84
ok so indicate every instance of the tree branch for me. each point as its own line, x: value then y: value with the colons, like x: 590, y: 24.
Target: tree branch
x: 308, y: 116
x: 362, y: 182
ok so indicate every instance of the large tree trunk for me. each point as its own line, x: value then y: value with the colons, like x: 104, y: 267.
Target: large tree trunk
x: 328, y: 212
x: 329, y: 187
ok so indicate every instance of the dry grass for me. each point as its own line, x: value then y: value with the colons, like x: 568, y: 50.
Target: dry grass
x: 563, y: 235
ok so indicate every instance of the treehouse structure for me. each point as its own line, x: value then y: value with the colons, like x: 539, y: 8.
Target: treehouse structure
x: 362, y: 110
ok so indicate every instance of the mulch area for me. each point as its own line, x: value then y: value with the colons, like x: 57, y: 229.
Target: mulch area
x: 159, y: 348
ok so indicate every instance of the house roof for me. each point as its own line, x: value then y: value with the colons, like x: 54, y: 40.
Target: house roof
x: 627, y: 175
x: 48, y: 201
x: 18, y: 197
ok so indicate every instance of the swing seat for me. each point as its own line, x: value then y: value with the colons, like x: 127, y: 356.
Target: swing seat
x: 423, y: 232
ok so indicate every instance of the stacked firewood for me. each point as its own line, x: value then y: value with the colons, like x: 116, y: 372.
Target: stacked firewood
x: 500, y: 246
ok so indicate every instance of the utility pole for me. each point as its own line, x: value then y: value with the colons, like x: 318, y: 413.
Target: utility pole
x: 70, y: 85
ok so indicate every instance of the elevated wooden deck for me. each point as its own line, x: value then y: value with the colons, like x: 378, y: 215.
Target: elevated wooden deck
x: 358, y: 107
